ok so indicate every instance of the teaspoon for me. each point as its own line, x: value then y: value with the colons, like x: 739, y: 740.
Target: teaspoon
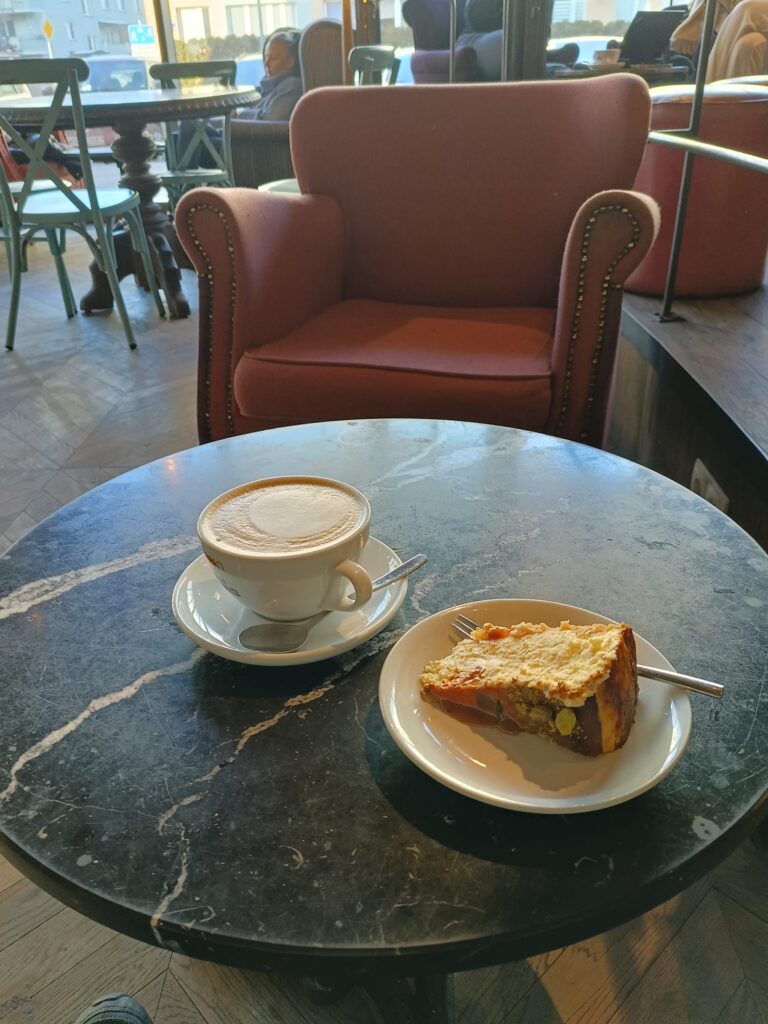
x: 286, y: 637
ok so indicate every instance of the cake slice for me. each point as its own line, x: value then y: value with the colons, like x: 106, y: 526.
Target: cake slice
x: 575, y: 685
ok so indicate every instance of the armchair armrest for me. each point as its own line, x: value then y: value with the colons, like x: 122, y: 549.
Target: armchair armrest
x: 266, y: 262
x: 261, y: 152
x: 610, y: 235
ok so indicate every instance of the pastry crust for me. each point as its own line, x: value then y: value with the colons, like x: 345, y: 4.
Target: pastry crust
x: 575, y: 685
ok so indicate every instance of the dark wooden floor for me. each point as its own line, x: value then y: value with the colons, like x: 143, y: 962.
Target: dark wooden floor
x: 76, y: 408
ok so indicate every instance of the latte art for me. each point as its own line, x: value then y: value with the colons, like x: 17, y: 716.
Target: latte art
x: 282, y: 517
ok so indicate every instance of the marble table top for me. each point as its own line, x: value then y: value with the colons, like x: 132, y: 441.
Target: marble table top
x: 264, y: 817
x: 104, y: 108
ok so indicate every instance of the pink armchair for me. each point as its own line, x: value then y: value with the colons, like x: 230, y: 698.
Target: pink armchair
x: 441, y: 261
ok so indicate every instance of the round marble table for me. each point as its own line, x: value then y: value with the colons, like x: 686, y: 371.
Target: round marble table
x: 263, y: 817
x: 129, y: 112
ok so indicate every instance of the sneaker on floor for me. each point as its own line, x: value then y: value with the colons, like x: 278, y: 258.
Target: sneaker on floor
x: 114, y: 1009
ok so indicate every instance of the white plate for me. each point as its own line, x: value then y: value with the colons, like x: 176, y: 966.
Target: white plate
x: 210, y: 616
x: 525, y: 772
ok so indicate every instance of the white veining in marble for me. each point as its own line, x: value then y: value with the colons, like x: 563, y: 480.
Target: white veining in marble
x: 47, y: 743
x: 176, y: 891
x: 346, y: 663
x: 40, y: 591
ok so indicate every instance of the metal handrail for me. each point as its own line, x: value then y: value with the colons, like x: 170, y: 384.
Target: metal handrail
x: 730, y: 156
x: 687, y: 141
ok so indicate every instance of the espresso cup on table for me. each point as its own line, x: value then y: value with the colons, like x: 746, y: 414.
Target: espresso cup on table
x: 289, y: 547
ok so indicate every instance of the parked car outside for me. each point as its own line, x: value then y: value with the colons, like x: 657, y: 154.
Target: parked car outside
x: 250, y: 69
x: 115, y: 73
x: 404, y: 73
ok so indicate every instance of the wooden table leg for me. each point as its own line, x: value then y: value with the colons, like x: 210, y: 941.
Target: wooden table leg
x: 134, y: 150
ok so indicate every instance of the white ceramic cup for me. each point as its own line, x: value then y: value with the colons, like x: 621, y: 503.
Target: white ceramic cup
x: 607, y: 56
x: 304, y: 572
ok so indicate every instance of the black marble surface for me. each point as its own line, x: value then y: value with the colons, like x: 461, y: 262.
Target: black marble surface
x: 264, y: 817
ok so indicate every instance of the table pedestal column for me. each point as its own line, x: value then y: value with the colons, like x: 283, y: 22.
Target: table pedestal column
x: 421, y: 1000
x: 134, y: 150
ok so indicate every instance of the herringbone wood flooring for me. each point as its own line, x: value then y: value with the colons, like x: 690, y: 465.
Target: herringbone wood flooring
x: 76, y: 408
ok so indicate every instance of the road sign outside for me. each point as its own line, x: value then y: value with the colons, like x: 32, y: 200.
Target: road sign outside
x: 141, y: 35
x: 47, y: 29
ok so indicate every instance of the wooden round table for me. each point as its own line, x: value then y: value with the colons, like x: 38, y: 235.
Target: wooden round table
x: 128, y: 113
x: 263, y: 817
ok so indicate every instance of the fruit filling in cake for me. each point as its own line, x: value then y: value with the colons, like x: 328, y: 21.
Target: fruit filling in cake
x: 575, y: 685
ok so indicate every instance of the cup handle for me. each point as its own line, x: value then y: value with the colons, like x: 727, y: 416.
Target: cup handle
x: 360, y: 580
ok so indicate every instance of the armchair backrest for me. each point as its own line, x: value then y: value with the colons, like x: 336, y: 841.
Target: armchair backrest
x: 464, y: 195
x: 321, y: 55
x: 430, y: 22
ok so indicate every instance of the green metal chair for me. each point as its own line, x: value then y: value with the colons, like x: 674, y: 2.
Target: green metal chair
x: 61, y: 207
x: 374, y: 65
x: 185, y: 149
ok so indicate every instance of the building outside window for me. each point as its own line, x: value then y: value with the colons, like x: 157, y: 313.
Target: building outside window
x: 193, y: 23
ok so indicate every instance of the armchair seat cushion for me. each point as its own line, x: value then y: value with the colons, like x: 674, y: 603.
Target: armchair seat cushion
x: 367, y: 358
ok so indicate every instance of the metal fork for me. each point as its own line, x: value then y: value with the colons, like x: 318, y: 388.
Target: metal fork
x: 464, y: 626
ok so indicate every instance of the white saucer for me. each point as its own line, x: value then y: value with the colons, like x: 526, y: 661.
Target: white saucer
x: 211, y: 617
x: 525, y: 772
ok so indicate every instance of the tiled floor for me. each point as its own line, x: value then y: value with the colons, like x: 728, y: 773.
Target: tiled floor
x: 76, y: 408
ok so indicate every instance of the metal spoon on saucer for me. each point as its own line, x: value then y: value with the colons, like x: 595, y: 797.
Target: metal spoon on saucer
x: 286, y: 637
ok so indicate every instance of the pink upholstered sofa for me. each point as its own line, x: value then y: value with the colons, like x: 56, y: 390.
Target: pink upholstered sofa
x: 442, y: 260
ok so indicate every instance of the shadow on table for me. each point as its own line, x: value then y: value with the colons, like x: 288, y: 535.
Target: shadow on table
x: 215, y: 677
x: 481, y: 830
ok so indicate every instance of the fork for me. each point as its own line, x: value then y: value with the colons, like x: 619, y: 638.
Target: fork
x: 464, y: 626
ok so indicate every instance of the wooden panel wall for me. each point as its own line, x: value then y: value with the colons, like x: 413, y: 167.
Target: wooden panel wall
x: 665, y: 421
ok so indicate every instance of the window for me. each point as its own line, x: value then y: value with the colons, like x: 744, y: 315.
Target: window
x: 69, y: 28
x: 85, y: 6
x: 105, y: 4
x: 121, y: 5
x: 277, y: 16
x: 93, y: 42
x: 193, y: 23
x: 236, y: 21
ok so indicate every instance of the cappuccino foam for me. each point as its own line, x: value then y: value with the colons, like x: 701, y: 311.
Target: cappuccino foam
x: 283, y: 517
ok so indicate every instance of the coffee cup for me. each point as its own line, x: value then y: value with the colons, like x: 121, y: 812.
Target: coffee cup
x: 289, y: 547
x: 610, y: 56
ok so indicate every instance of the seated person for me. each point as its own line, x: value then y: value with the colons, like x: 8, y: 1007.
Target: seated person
x: 687, y: 36
x: 281, y: 86
x: 483, y: 31
x: 741, y: 46
x: 64, y: 165
x: 280, y: 91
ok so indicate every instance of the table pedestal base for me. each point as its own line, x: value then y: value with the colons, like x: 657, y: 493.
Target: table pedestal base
x: 166, y: 270
x: 134, y: 151
x: 421, y: 1000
